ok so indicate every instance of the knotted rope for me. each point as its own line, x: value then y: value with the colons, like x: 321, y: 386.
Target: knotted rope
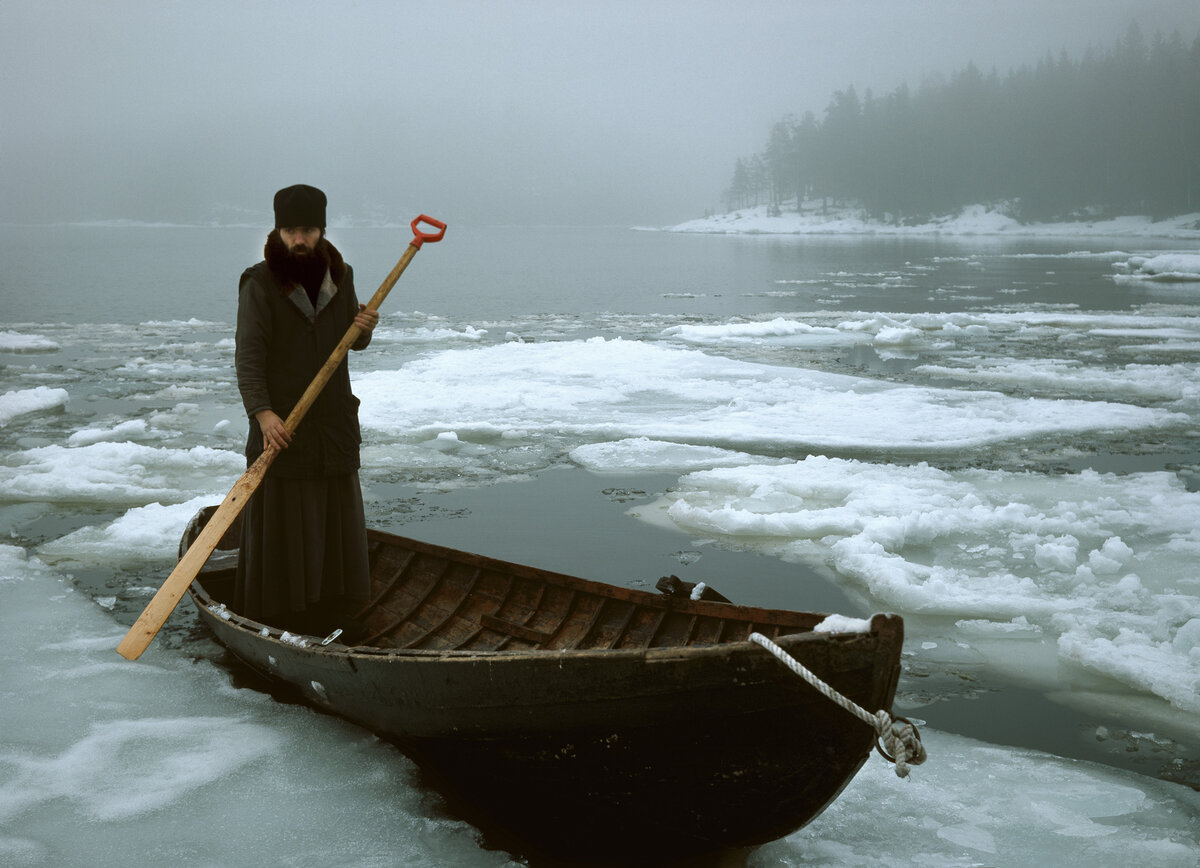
x: 897, y: 740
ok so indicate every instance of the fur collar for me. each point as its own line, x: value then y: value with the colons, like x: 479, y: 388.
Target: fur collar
x: 275, y: 252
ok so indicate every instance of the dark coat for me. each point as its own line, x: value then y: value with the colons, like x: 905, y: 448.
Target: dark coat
x: 282, y: 342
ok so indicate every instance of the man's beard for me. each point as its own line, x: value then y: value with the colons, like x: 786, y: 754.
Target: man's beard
x: 305, y: 266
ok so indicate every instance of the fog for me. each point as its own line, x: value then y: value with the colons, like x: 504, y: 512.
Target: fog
x: 587, y: 113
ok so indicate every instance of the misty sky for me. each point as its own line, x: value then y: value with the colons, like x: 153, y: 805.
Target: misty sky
x: 542, y: 111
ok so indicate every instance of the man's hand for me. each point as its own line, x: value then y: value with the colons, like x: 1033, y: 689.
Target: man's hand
x: 366, y: 319
x: 275, y: 433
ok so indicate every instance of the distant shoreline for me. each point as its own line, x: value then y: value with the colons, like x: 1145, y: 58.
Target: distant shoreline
x: 974, y: 220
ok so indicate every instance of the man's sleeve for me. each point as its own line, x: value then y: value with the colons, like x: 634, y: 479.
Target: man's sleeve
x: 252, y: 339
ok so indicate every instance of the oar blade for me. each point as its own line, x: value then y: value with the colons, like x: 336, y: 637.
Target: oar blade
x: 163, y: 603
x: 146, y: 627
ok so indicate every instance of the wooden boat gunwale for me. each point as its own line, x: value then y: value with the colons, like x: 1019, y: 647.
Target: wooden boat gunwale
x: 761, y: 617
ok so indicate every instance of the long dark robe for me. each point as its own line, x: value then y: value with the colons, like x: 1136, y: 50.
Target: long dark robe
x: 303, y: 563
x: 304, y: 554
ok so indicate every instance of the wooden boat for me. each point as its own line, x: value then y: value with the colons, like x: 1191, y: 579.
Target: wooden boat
x: 594, y: 722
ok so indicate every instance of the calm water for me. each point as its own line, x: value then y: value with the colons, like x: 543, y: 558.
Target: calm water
x: 130, y: 275
x: 107, y: 295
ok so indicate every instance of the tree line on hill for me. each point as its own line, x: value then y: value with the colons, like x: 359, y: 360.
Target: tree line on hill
x: 1116, y: 132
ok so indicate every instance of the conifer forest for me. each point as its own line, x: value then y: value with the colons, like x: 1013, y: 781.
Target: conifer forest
x: 1114, y: 132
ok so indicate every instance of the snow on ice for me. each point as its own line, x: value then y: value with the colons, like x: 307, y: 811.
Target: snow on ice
x: 106, y: 472
x: 1164, y: 267
x: 1100, y: 562
x: 22, y: 402
x: 612, y: 389
x: 95, y: 749
x: 16, y: 342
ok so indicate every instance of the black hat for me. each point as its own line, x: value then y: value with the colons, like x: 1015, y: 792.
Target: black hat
x: 299, y: 205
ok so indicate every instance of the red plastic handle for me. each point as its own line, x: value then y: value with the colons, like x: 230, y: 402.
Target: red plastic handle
x: 420, y: 237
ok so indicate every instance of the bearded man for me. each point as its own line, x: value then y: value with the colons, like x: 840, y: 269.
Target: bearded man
x: 303, y: 559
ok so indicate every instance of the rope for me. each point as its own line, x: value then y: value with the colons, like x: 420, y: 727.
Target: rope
x: 897, y: 740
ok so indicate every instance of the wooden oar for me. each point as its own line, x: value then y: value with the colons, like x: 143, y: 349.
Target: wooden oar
x: 146, y: 627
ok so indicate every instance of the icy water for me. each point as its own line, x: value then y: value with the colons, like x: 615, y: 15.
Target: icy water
x: 997, y: 438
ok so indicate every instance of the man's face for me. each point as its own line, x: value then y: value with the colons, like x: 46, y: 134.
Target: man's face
x: 300, y: 240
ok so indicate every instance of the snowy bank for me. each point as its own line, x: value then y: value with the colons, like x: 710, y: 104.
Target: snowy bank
x: 973, y: 220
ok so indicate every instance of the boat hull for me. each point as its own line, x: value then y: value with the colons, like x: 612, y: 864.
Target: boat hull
x: 628, y: 755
